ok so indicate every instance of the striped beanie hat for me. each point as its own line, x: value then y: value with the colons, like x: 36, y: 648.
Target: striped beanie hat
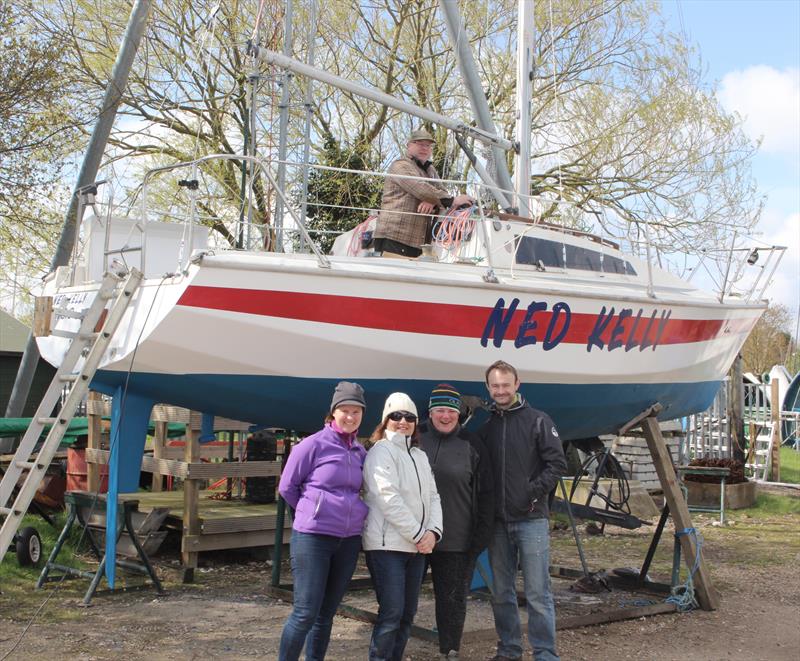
x: 445, y: 395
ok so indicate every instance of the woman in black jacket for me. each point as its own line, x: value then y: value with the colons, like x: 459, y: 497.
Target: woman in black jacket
x: 464, y: 481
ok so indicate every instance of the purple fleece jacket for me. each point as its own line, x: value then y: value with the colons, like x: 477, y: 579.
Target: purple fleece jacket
x: 321, y: 481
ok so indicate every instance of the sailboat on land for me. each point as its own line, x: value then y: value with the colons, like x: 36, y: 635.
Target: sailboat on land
x: 597, y: 335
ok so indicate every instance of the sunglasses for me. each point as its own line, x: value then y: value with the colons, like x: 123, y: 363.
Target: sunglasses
x: 397, y: 416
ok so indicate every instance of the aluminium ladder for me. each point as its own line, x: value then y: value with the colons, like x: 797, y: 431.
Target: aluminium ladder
x: 85, y: 342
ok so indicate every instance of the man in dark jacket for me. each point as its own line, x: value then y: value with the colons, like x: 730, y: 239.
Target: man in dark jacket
x: 527, y: 460
x: 464, y: 481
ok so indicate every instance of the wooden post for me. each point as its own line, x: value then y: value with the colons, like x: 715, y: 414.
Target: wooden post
x: 736, y: 409
x: 707, y: 596
x: 159, y: 441
x: 94, y: 413
x: 775, y: 415
x: 751, y: 444
x: 191, y: 518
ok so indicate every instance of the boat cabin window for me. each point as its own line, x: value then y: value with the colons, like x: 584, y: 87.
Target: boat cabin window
x: 534, y: 251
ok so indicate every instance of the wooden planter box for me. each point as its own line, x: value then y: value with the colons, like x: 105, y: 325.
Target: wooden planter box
x: 737, y: 496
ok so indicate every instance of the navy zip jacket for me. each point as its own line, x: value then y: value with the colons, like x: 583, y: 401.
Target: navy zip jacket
x: 527, y: 460
x: 462, y: 469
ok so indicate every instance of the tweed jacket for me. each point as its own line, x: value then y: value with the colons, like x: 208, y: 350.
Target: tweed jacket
x: 398, y: 219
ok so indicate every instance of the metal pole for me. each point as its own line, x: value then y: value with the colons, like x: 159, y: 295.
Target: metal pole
x: 271, y: 57
x: 91, y: 164
x: 525, y: 36
x: 312, y: 33
x: 243, y: 187
x: 736, y: 412
x: 472, y: 82
x: 283, y: 126
x: 498, y: 194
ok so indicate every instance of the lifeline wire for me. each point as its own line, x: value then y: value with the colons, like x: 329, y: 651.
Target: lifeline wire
x: 112, y: 443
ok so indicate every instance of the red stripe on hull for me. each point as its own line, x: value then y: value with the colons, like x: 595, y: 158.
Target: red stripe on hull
x: 450, y: 319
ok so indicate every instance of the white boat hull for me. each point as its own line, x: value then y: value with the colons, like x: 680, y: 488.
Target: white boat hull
x: 264, y: 337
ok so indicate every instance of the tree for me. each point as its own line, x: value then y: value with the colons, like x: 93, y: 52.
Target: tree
x: 624, y: 126
x: 37, y: 131
x: 769, y: 341
x: 340, y: 200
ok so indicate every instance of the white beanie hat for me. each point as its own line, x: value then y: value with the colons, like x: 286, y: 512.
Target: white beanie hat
x: 398, y: 401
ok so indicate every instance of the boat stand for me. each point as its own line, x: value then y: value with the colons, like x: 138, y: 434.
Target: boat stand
x: 83, y: 508
x: 675, y: 505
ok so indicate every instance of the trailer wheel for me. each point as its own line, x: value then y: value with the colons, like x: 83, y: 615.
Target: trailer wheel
x: 29, y: 547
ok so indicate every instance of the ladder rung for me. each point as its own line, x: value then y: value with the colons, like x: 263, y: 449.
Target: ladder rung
x: 29, y: 465
x: 71, y: 335
x: 7, y: 511
x: 50, y: 421
x: 68, y: 378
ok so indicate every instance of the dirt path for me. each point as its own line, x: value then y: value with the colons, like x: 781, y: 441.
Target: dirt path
x: 227, y: 615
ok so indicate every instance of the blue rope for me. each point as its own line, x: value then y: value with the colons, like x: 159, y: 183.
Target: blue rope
x: 683, y: 595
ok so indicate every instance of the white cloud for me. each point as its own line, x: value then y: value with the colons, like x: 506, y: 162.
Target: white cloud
x: 769, y: 102
x: 785, y: 286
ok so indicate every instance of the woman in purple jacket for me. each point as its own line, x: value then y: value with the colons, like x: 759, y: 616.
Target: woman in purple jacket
x: 321, y: 481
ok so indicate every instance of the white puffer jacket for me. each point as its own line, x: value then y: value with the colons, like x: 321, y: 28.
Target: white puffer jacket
x: 401, y: 495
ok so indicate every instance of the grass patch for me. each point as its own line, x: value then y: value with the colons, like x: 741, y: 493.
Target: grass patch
x: 770, y: 504
x: 12, y: 574
x: 790, y: 465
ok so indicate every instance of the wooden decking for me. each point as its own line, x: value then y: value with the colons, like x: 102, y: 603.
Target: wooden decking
x: 223, y: 524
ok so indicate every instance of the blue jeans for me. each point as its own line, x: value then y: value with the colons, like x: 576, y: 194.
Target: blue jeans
x: 322, y: 567
x: 397, y: 578
x: 525, y: 543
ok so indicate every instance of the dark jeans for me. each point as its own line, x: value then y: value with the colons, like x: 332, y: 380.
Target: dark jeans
x: 397, y: 578
x: 322, y: 567
x: 451, y: 573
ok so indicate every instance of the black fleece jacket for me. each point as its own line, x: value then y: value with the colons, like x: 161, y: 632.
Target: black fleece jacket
x: 463, y: 474
x: 527, y: 459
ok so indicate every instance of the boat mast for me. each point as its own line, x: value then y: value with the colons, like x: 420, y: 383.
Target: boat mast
x: 312, y: 37
x: 86, y: 178
x: 283, y: 128
x: 522, y: 171
x: 477, y: 98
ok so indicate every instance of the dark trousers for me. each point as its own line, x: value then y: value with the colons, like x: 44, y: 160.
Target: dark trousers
x: 322, y: 567
x: 389, y: 245
x: 451, y: 573
x: 397, y: 578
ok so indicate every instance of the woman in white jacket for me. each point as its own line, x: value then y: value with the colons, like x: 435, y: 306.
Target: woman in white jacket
x: 404, y: 523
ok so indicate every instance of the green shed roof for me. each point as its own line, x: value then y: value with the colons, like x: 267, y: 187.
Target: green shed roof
x: 13, y: 333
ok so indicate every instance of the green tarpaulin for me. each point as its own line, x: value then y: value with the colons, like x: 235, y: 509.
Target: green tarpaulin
x: 77, y: 427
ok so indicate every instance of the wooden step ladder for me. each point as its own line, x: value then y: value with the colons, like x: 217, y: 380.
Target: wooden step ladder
x: 762, y: 447
x: 88, y: 343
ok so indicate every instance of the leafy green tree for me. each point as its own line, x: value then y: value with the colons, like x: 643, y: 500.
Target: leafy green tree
x: 338, y: 201
x: 624, y: 126
x: 38, y: 129
x: 769, y: 342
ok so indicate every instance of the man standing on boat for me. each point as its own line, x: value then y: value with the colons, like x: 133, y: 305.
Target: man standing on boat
x: 527, y: 460
x: 407, y: 204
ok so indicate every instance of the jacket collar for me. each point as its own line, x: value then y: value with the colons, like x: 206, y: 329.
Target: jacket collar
x: 518, y: 403
x: 422, y: 164
x: 396, y: 438
x: 345, y: 437
x: 437, y: 434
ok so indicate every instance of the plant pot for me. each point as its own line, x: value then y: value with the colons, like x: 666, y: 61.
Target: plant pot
x: 737, y: 496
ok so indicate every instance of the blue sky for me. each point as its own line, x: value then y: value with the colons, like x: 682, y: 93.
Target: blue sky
x: 751, y: 49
